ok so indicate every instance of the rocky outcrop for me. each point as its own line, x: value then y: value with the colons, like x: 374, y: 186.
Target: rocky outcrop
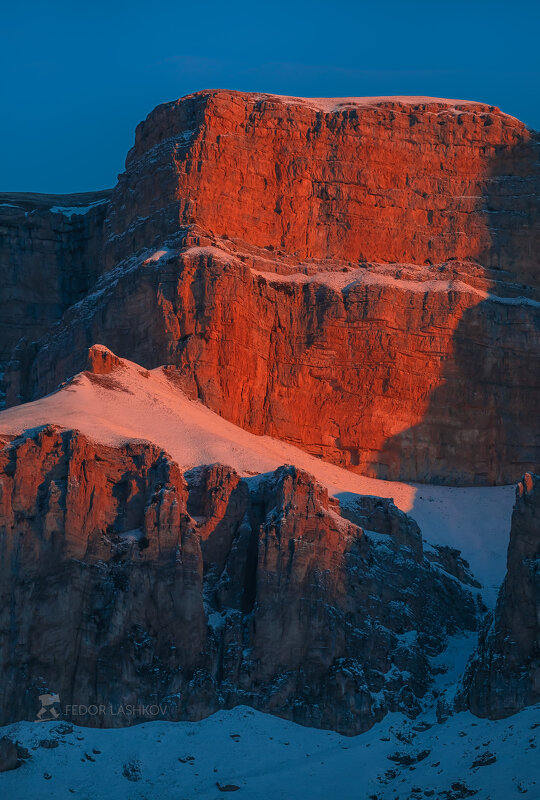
x: 50, y: 252
x: 125, y: 581
x: 101, y: 361
x: 244, y: 245
x: 504, y: 674
x: 12, y: 755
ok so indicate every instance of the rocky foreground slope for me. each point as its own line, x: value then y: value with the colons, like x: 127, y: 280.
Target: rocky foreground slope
x: 126, y: 581
x: 357, y: 277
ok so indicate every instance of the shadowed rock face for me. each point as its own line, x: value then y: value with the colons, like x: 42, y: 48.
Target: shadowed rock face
x: 50, y: 252
x: 125, y: 581
x: 421, y: 363
x: 504, y: 674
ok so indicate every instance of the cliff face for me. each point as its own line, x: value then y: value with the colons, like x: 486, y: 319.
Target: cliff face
x: 504, y: 674
x: 50, y: 252
x: 358, y: 278
x: 382, y: 180
x: 126, y: 581
x: 393, y: 377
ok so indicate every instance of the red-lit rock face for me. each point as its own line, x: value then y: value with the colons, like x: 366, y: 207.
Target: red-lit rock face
x: 392, y: 182
x: 427, y: 372
x: 384, y: 378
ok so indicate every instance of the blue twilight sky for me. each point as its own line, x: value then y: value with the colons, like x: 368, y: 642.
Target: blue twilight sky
x: 78, y: 76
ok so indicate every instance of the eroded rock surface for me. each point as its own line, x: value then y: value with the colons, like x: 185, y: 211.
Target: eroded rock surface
x: 126, y: 581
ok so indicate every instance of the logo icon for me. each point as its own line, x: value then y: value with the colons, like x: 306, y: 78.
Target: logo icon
x: 50, y: 707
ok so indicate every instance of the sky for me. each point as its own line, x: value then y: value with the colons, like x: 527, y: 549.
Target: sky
x: 78, y: 76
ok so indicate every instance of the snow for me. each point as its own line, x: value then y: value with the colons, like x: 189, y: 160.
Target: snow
x: 134, y: 535
x: 135, y: 404
x: 70, y: 211
x: 157, y: 256
x: 331, y: 105
x: 270, y: 758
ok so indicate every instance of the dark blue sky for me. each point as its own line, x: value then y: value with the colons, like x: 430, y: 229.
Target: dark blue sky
x: 78, y: 76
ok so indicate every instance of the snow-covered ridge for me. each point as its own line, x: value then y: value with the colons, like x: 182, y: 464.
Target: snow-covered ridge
x: 30, y: 202
x: 330, y: 105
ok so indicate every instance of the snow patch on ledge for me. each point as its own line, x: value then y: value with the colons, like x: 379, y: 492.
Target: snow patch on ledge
x: 348, y: 280
x: 70, y: 211
x: 157, y: 256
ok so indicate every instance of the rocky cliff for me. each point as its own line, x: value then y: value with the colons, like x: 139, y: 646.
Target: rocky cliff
x: 504, y: 674
x: 400, y: 378
x: 356, y: 277
x: 126, y: 581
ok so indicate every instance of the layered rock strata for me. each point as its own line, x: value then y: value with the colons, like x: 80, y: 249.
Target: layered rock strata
x: 397, y: 378
x: 399, y: 180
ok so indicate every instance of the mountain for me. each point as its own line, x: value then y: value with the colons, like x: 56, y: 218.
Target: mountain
x: 264, y: 407
x: 50, y: 250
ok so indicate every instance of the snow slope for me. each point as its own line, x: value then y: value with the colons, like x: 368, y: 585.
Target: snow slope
x: 134, y: 403
x: 268, y: 758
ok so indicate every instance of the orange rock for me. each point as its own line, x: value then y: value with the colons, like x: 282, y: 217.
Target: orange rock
x: 392, y: 181
x: 101, y: 361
